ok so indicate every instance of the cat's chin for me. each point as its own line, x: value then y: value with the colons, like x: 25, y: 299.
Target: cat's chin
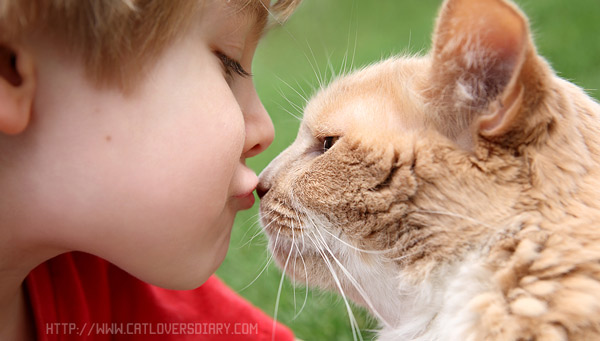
x: 289, y: 259
x: 303, y: 265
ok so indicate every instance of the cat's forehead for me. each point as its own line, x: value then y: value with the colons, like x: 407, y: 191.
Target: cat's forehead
x: 381, y: 96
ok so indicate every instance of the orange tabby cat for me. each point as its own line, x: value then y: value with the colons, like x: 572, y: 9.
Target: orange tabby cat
x: 455, y: 195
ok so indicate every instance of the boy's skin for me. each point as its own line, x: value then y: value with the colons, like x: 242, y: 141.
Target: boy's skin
x: 149, y: 179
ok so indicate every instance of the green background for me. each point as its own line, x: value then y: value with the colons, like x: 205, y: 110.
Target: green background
x: 288, y: 65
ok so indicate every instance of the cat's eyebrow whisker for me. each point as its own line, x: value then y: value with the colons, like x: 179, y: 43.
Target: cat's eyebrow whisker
x: 290, y: 113
x: 292, y: 104
x: 331, y: 68
x: 315, y: 66
x: 355, y: 37
x: 292, y: 88
x: 319, y: 76
x: 353, y: 280
x: 311, y: 85
x: 303, y: 89
x: 344, y: 65
x: 353, y: 323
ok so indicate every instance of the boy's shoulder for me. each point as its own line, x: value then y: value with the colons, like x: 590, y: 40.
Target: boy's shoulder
x: 80, y: 294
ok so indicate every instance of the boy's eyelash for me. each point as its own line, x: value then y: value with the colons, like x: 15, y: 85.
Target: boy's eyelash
x: 232, y: 66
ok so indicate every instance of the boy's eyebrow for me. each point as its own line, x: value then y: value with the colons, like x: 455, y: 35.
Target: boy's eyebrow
x: 255, y: 9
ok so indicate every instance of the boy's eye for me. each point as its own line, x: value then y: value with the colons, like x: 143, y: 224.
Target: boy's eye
x: 231, y: 66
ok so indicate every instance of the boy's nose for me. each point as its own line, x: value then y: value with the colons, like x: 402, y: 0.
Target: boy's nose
x: 259, y: 128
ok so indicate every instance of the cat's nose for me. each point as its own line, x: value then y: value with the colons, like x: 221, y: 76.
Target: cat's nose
x: 262, y: 189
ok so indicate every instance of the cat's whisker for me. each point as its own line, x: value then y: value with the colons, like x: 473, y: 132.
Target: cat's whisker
x: 303, y: 263
x: 375, y: 252
x: 249, y: 241
x: 254, y: 225
x: 279, y: 290
x: 252, y: 217
x: 316, y: 241
x: 269, y: 261
x: 305, y: 279
x: 294, y: 272
x: 295, y: 244
x: 264, y: 268
x: 259, y: 233
x: 351, y: 278
x: 251, y: 227
x: 403, y: 257
x: 353, y: 323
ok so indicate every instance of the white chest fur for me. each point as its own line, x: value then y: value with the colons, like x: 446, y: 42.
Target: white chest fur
x: 434, y: 310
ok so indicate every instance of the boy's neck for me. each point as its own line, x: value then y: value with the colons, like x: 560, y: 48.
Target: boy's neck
x: 16, y: 320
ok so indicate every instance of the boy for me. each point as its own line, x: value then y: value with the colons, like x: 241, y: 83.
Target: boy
x: 124, y: 130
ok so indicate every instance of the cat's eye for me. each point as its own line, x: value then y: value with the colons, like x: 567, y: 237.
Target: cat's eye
x: 328, y: 142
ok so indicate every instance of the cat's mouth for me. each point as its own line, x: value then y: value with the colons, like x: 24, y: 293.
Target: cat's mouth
x: 275, y: 222
x: 279, y: 217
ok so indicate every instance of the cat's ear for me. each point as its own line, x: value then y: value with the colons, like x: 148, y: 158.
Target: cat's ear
x: 480, y: 49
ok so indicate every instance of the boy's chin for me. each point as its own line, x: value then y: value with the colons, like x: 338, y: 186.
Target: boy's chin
x: 190, y: 280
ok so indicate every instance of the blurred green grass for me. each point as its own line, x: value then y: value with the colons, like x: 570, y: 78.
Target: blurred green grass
x: 320, y: 36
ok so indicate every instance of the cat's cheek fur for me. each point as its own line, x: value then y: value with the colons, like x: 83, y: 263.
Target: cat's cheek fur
x: 361, y: 201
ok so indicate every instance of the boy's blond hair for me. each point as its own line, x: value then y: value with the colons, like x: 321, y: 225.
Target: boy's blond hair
x: 115, y: 38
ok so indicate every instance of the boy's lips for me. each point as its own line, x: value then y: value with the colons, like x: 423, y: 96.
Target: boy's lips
x: 245, y: 196
x: 245, y: 200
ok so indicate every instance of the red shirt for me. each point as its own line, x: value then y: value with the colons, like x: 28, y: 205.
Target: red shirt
x: 80, y: 296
